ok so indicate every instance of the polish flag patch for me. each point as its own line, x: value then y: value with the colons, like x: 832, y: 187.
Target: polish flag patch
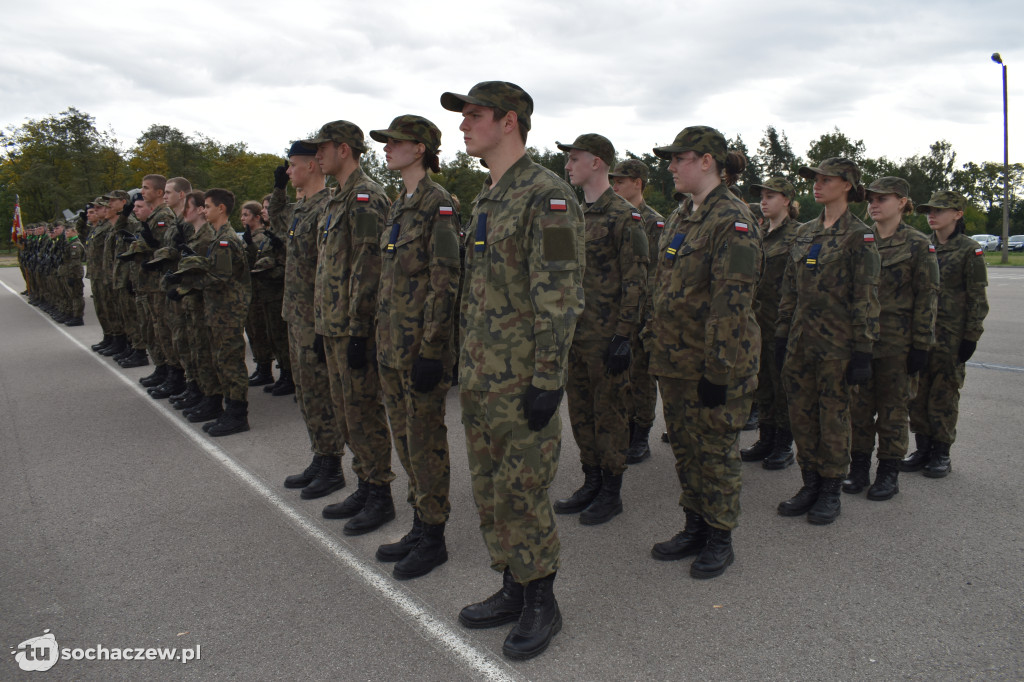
x: 161, y: 223
x: 364, y: 198
x: 869, y: 238
x: 636, y: 216
x: 741, y: 227
x: 224, y: 244
x: 660, y: 223
x: 978, y: 252
x: 445, y: 210
x: 931, y: 248
x: 558, y: 205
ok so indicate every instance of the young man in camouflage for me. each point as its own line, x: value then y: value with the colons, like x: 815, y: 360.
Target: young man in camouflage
x: 522, y: 295
x: 269, y: 256
x: 98, y: 283
x: 629, y: 179
x: 73, y: 270
x: 327, y: 434
x: 615, y: 282
x: 344, y: 308
x: 263, y: 352
x: 124, y: 275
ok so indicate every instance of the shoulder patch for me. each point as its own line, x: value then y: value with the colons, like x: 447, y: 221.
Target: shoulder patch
x: 636, y: 216
x: 445, y: 210
x: 362, y: 197
x: 161, y: 223
x: 869, y: 238
x: 931, y: 248
x: 557, y: 205
x: 659, y: 223
x: 224, y: 243
x: 979, y: 252
x: 741, y: 227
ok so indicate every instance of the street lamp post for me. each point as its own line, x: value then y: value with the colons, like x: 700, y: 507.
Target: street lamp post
x: 1006, y: 169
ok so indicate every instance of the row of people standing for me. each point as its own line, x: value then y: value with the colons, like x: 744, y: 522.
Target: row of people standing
x: 52, y: 261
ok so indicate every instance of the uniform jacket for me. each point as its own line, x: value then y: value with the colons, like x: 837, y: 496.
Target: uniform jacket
x: 963, y: 303
x: 777, y: 246
x: 301, y: 259
x: 908, y: 288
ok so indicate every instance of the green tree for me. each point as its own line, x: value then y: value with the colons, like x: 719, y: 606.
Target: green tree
x: 835, y: 144
x: 774, y: 156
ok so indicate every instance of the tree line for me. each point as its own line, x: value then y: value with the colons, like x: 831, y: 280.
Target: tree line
x: 63, y: 161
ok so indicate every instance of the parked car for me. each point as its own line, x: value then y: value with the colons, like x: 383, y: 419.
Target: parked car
x: 1016, y: 243
x: 989, y: 242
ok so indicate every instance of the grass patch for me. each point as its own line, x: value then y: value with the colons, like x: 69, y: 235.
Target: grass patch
x: 996, y: 258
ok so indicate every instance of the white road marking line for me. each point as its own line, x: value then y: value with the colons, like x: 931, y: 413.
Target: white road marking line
x: 438, y: 631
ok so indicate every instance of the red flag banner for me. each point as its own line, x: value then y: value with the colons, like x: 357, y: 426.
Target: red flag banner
x: 17, y: 227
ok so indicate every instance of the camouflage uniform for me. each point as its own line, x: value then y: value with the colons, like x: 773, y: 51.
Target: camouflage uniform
x: 642, y: 383
x: 268, y: 291
x: 263, y: 351
x: 703, y: 327
x: 73, y: 271
x: 415, y: 308
x: 614, y: 284
x: 123, y: 280
x: 200, y: 345
x: 907, y: 293
x: 522, y: 295
x: 962, y: 307
x: 829, y: 309
x: 154, y: 300
x: 96, y: 274
x: 344, y: 305
x: 327, y: 434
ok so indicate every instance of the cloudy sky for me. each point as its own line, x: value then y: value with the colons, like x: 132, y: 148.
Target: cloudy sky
x: 899, y: 74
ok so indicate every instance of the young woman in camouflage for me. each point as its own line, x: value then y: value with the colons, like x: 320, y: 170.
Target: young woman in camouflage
x: 704, y: 343
x: 827, y: 327
x: 962, y: 308
x: 415, y: 307
x: 908, y: 286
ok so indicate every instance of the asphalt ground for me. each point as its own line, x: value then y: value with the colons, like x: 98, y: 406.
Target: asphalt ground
x: 125, y: 526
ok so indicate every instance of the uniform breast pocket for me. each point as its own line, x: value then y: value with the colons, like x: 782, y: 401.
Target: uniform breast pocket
x: 507, y: 261
x: 694, y: 262
x: 896, y: 271
x: 411, y: 251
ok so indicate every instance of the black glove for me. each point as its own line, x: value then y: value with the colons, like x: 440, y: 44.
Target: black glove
x: 82, y: 214
x: 318, y: 348
x: 186, y: 250
x: 127, y: 209
x: 247, y: 236
x: 357, y: 352
x: 780, y: 353
x: 967, y: 349
x: 281, y: 176
x: 275, y: 241
x: 127, y: 236
x: 858, y: 372
x: 172, y: 277
x: 426, y: 374
x: 540, y: 406
x: 617, y: 355
x: 709, y: 394
x: 917, y: 360
x: 174, y: 295
x: 130, y: 288
x: 147, y: 234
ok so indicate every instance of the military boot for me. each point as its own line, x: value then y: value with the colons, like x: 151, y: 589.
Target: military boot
x: 429, y: 553
x: 860, y: 473
x: 378, y: 510
x: 189, y: 387
x: 917, y: 459
x: 805, y: 497
x: 329, y: 477
x: 639, y: 444
x: 886, y: 480
x: 138, y: 358
x: 192, y: 397
x: 307, y: 476
x: 115, y: 347
x: 687, y: 542
x: 608, y: 502
x: 234, y: 420
x: 351, y: 505
x: 582, y: 498
x: 752, y: 419
x: 396, y: 551
x: 782, y: 454
x: 263, y: 374
x: 540, y: 621
x: 104, y: 342
x: 123, y: 355
x: 284, y: 385
x: 73, y: 322
x: 939, y: 465
x: 504, y: 606
x: 715, y: 557
x: 764, y: 445
x: 172, y: 385
x: 156, y: 378
x: 826, y: 508
x: 208, y: 408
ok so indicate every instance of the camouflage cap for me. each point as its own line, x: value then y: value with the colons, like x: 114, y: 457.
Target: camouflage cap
x: 496, y: 95
x: 192, y: 263
x: 631, y: 168
x: 890, y: 185
x: 100, y: 201
x: 836, y: 167
x: 262, y: 265
x: 944, y: 199
x: 755, y: 208
x: 338, y: 132
x: 301, y: 148
x: 699, y: 139
x: 136, y: 247
x: 598, y: 145
x: 162, y: 254
x: 117, y: 194
x: 780, y: 185
x: 411, y: 128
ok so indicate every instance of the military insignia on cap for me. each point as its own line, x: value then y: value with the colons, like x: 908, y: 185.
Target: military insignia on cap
x: 869, y: 238
x: 741, y: 227
x: 636, y: 216
x: 557, y: 205
x: 363, y: 197
x: 445, y: 210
